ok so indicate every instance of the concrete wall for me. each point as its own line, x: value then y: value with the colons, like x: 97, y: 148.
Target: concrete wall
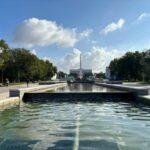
x: 8, y: 102
x: 144, y: 99
x: 136, y: 90
x: 15, y: 95
x: 78, y: 96
x: 20, y: 92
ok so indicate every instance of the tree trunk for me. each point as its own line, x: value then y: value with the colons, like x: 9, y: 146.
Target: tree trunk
x: 2, y: 76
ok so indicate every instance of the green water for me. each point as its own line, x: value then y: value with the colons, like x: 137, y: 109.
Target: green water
x: 75, y: 126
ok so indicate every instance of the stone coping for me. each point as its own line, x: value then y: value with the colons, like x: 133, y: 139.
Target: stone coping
x: 9, y: 101
x: 146, y: 97
x: 20, y: 91
x: 136, y: 90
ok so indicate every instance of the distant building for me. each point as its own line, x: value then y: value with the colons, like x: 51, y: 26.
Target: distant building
x: 109, y: 76
x: 81, y: 73
x: 107, y: 73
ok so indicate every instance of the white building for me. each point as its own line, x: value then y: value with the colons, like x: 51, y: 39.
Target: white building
x: 81, y: 72
x: 107, y: 73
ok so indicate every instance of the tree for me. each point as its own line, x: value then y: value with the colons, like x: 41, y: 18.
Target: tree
x: 129, y: 67
x: 146, y: 65
x: 100, y: 75
x: 4, y: 56
x: 20, y: 64
x: 61, y: 75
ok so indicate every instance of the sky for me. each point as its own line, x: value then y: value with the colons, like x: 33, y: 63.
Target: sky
x: 61, y: 30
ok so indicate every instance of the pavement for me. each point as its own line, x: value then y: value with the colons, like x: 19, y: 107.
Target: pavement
x: 4, y: 91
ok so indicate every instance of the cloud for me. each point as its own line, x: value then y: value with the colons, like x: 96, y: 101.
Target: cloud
x: 47, y: 58
x: 96, y: 59
x: 143, y: 16
x: 34, y: 52
x: 86, y: 33
x: 40, y: 32
x: 113, y: 26
x: 70, y: 60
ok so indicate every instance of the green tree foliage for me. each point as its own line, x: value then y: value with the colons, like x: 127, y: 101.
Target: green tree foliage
x: 3, y: 44
x: 132, y: 66
x: 100, y: 75
x: 146, y: 66
x: 20, y: 64
x: 61, y: 75
x: 4, y: 56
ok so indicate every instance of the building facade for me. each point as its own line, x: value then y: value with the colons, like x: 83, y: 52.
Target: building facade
x: 107, y: 73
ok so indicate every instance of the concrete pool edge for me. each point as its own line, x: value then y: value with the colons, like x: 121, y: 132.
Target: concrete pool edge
x: 76, y: 96
x: 15, y: 95
x: 124, y: 92
x: 136, y: 90
x: 144, y: 99
x: 20, y: 92
x: 5, y: 103
x: 142, y: 94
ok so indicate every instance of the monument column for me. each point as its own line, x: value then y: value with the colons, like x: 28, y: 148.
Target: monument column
x: 80, y: 72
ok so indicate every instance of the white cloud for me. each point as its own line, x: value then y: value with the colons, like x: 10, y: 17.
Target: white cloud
x: 47, y: 58
x: 143, y: 16
x: 113, y: 26
x: 69, y: 61
x: 40, y: 32
x: 86, y: 33
x: 96, y: 59
x: 33, y: 52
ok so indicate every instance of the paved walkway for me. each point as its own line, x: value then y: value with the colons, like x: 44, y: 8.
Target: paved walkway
x: 4, y: 91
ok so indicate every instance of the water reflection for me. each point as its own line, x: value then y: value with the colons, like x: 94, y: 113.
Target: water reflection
x: 85, y: 87
x: 107, y: 125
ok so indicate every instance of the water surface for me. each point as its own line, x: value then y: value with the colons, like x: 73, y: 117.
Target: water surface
x: 75, y: 126
x: 85, y: 87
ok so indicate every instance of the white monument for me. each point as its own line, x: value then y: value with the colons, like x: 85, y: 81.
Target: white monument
x: 80, y: 72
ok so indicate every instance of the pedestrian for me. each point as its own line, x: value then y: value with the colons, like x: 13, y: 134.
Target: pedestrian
x: 27, y: 81
x: 7, y: 82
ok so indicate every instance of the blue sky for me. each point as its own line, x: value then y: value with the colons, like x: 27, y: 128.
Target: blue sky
x: 60, y: 30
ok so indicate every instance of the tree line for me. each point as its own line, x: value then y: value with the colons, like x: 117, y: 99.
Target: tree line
x: 133, y: 66
x: 19, y: 64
